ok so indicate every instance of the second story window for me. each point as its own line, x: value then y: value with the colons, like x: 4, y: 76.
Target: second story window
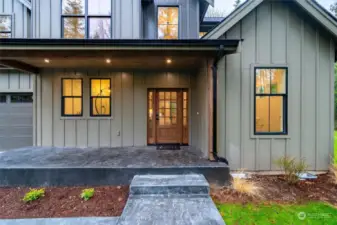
x: 5, y: 26
x: 168, y: 22
x: 86, y: 19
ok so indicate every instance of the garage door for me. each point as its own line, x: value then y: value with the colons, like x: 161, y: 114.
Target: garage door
x: 16, y: 121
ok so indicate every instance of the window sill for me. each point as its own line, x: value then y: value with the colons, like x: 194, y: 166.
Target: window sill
x: 86, y: 118
x: 272, y: 136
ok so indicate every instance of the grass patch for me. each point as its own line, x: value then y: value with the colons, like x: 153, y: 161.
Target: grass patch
x: 311, y: 213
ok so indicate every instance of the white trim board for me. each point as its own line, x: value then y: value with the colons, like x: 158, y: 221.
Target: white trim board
x: 308, y: 5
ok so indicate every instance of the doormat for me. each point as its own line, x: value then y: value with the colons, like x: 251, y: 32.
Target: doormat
x: 168, y: 147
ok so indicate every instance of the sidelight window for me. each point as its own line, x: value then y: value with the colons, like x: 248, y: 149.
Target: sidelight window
x: 271, y: 101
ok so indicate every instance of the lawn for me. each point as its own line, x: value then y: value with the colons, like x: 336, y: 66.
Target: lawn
x: 311, y: 213
x: 335, y: 145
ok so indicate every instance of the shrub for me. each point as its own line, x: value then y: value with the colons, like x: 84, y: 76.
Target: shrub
x: 87, y: 194
x: 246, y: 186
x: 291, y: 168
x: 34, y: 194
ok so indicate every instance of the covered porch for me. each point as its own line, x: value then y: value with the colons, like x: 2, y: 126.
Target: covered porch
x: 180, y: 75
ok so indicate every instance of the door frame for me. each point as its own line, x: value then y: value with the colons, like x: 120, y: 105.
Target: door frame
x: 151, y: 135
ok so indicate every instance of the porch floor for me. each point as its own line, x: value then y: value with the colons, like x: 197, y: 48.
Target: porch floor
x: 45, y: 166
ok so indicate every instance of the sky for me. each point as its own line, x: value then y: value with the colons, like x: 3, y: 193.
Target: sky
x: 227, y: 5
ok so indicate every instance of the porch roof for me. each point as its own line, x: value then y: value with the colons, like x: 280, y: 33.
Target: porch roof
x: 29, y: 54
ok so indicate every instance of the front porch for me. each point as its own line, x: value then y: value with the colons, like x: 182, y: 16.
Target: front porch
x: 49, y: 166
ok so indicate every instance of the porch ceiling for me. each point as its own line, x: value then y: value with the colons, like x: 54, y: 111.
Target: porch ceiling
x: 30, y: 54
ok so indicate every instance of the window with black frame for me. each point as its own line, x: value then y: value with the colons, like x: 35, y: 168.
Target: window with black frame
x: 5, y: 26
x: 271, y: 101
x: 72, y: 97
x: 100, y: 97
x: 86, y: 19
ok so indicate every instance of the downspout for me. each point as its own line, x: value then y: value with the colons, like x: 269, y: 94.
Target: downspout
x: 220, y: 54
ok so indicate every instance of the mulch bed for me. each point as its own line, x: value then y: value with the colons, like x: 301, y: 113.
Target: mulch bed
x: 274, y: 189
x: 63, y: 202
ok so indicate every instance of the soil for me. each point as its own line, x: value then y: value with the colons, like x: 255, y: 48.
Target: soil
x: 274, y: 189
x: 63, y: 202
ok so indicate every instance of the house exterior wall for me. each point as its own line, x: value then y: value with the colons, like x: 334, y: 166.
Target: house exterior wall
x: 278, y: 33
x: 126, y: 127
x: 20, y: 17
x: 126, y: 19
x: 188, y: 18
x: 15, y: 81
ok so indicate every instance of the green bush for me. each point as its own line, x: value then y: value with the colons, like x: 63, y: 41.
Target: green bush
x: 87, y: 194
x: 33, y: 194
x: 291, y: 168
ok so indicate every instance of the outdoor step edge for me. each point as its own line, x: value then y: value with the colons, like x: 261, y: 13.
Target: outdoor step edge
x: 195, y: 189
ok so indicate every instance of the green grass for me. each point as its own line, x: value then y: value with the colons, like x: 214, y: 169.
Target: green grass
x: 335, y: 147
x: 315, y: 213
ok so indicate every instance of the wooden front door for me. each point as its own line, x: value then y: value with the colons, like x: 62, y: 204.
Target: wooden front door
x: 167, y: 116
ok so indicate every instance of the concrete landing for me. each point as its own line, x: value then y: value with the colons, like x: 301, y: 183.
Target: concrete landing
x: 170, y: 200
x: 63, y: 221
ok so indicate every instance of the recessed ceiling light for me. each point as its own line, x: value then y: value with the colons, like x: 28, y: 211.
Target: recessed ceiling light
x: 46, y: 60
x: 108, y: 61
x: 168, y: 61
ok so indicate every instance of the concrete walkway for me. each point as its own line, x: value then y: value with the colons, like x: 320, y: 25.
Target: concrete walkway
x: 63, y: 221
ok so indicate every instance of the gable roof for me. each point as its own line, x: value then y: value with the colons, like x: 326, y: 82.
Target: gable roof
x: 323, y: 16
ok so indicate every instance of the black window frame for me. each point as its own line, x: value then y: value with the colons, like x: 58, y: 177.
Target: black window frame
x: 64, y: 97
x: 20, y: 94
x: 86, y: 18
x: 11, y: 22
x: 284, y: 101
x: 92, y: 97
x: 157, y: 21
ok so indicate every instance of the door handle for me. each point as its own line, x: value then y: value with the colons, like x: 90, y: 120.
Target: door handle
x: 157, y: 116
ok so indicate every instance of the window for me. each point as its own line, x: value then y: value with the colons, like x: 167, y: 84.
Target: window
x: 72, y: 97
x: 21, y: 98
x: 100, y: 97
x: 201, y: 34
x: 3, y: 98
x: 271, y: 100
x: 86, y: 19
x: 168, y: 22
x: 5, y: 26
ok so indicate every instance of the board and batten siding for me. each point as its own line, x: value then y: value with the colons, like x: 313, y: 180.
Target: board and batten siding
x: 279, y: 33
x: 126, y: 19
x: 20, y: 17
x: 188, y: 18
x: 126, y: 127
x: 15, y: 81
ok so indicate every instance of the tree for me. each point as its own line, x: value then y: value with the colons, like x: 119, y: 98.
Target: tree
x: 73, y: 26
x: 333, y: 8
x: 213, y: 12
x: 237, y: 3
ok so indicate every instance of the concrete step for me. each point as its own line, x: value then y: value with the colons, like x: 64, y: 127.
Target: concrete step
x: 170, y: 200
x: 188, y: 184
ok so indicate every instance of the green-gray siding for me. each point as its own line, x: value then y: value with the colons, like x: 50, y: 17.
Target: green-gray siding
x: 276, y: 33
